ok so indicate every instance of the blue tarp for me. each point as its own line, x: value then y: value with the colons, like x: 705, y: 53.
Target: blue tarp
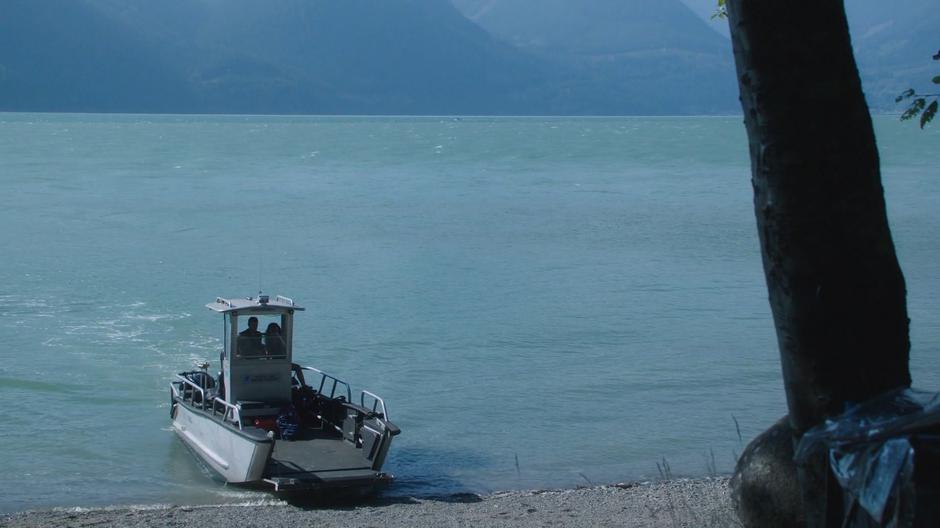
x: 873, y: 451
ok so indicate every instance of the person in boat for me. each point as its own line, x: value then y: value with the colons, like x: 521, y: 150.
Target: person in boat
x: 274, y: 341
x: 249, y: 340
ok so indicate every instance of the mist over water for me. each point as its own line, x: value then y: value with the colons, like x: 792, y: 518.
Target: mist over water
x: 542, y: 302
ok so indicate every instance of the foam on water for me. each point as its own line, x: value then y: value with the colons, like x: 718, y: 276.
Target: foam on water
x: 541, y: 302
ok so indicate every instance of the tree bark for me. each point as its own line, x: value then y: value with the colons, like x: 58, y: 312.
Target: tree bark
x: 834, y: 283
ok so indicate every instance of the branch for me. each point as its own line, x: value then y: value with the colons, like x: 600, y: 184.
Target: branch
x: 918, y: 105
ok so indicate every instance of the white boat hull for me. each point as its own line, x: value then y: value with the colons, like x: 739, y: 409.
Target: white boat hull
x: 235, y: 456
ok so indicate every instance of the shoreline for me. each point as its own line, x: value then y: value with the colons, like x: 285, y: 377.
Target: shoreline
x: 703, y: 503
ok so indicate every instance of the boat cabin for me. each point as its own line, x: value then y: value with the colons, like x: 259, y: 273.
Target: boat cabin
x: 257, y: 351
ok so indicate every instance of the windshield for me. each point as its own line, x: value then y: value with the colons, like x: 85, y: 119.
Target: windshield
x: 261, y: 336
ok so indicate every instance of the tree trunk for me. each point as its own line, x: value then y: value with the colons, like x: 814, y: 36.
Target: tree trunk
x: 835, y: 287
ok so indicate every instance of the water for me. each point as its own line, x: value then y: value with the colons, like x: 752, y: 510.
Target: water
x: 543, y: 302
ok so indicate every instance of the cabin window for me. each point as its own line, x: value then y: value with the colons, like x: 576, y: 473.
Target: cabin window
x: 261, y: 337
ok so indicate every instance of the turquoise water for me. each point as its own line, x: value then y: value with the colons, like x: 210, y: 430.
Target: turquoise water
x: 543, y: 302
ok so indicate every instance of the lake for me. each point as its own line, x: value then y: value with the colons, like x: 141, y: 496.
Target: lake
x: 542, y: 302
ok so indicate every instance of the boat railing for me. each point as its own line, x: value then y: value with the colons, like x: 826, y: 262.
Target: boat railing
x: 284, y: 300
x: 330, y: 382
x: 229, y: 412
x: 216, y: 405
x: 189, y: 396
x: 378, y: 404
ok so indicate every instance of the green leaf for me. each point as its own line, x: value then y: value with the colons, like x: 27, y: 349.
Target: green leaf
x: 721, y: 11
x: 916, y: 106
x: 928, y: 114
x: 904, y: 95
x: 936, y: 80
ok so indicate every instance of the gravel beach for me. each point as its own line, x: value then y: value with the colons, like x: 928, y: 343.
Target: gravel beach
x: 699, y: 503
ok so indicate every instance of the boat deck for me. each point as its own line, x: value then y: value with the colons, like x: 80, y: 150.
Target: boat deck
x: 320, y: 460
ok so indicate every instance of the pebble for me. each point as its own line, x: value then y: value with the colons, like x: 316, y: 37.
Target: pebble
x: 685, y: 503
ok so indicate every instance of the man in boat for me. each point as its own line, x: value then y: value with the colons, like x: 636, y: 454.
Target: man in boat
x: 249, y: 340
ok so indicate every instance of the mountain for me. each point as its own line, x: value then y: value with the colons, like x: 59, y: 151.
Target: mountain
x: 652, y: 54
x: 595, y: 27
x: 323, y: 56
x: 894, y: 43
x: 65, y: 56
x: 354, y: 56
x: 243, y: 56
x: 357, y: 56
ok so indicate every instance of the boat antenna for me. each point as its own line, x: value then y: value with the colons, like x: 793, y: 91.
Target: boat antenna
x: 260, y: 270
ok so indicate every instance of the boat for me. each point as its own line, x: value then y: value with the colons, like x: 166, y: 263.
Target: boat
x: 268, y: 422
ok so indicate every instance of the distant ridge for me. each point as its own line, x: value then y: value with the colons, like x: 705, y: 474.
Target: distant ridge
x: 323, y: 56
x: 657, y: 51
x: 596, y: 27
x: 65, y: 56
x: 894, y: 43
x: 349, y: 57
